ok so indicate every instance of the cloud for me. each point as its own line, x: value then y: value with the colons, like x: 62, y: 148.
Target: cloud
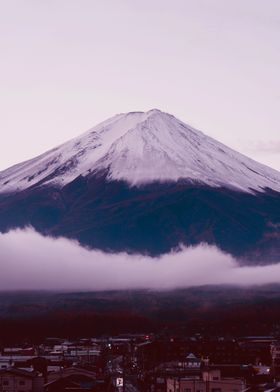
x: 31, y: 261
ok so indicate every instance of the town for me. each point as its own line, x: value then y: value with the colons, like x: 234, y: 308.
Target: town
x: 143, y: 362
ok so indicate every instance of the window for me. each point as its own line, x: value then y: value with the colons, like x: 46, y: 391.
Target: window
x: 5, y: 382
x: 215, y: 378
x: 21, y: 382
x: 216, y: 390
x: 187, y: 390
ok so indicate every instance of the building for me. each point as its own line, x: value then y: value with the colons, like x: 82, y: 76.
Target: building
x: 74, y: 379
x: 211, y: 381
x: 275, y: 357
x: 17, y: 380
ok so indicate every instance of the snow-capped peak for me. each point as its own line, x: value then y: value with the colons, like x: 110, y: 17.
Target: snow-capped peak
x: 140, y: 148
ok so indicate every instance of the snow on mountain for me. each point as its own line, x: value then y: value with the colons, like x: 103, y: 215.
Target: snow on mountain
x: 141, y: 148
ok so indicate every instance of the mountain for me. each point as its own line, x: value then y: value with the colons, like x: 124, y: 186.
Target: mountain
x: 141, y: 148
x: 147, y: 183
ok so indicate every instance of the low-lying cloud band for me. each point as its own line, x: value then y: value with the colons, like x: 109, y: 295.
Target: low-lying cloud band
x: 29, y: 261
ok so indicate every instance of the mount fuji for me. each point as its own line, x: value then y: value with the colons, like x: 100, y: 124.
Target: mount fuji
x: 145, y: 182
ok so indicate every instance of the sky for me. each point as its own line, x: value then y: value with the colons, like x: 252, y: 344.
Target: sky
x: 43, y: 263
x: 67, y: 65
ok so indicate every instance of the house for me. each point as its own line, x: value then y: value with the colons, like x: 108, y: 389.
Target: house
x: 17, y: 380
x: 211, y: 381
x: 74, y: 379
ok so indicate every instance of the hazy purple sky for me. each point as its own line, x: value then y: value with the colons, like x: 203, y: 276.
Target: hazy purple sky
x: 67, y: 65
x: 30, y: 261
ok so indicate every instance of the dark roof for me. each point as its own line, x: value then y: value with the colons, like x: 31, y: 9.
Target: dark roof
x: 18, y: 372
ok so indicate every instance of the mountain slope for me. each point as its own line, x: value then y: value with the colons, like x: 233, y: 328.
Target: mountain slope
x: 147, y: 183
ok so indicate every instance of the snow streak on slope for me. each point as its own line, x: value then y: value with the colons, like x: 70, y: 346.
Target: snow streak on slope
x: 141, y: 148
